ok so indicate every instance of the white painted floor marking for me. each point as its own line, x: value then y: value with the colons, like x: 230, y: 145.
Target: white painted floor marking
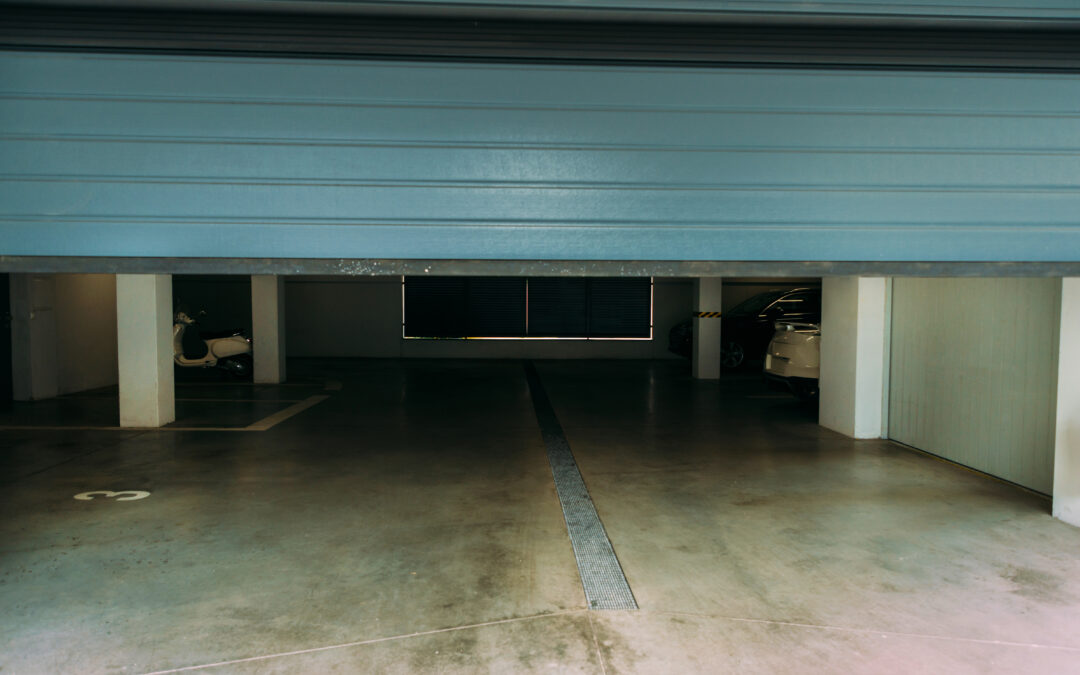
x: 244, y: 400
x: 871, y: 631
x: 250, y: 384
x: 280, y: 416
x: 262, y: 425
x: 134, y: 494
x: 30, y: 427
x: 67, y: 397
x: 360, y: 643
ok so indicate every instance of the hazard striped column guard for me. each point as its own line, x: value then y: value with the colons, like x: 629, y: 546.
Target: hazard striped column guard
x: 707, y: 315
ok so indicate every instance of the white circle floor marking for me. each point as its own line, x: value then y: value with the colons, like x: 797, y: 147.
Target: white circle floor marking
x: 135, y: 494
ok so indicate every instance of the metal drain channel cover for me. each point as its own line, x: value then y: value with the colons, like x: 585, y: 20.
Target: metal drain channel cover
x: 601, y: 575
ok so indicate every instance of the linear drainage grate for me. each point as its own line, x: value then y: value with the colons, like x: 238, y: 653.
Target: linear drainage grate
x: 601, y: 575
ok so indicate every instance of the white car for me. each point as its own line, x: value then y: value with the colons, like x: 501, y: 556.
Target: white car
x: 794, y: 357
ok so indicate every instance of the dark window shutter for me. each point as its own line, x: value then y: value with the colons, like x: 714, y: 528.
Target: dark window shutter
x: 435, y: 307
x: 460, y: 307
x: 558, y: 308
x: 496, y: 307
x: 620, y: 307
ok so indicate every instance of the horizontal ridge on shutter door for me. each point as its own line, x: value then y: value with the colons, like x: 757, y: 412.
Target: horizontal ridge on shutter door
x: 147, y: 156
x: 312, y: 35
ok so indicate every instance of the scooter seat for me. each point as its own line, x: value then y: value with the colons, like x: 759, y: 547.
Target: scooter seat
x: 193, y: 344
x: 217, y: 334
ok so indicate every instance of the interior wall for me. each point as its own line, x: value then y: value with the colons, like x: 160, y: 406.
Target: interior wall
x: 973, y: 373
x: 86, y: 352
x: 33, y: 336
x: 336, y: 316
x: 63, y: 333
x: 361, y: 316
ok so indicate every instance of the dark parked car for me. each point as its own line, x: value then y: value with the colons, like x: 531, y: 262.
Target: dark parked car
x: 746, y: 329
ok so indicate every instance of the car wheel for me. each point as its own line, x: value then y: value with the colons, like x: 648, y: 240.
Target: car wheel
x: 732, y: 355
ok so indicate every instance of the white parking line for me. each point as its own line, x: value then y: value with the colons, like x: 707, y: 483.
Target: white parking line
x: 74, y: 427
x: 265, y: 423
x: 282, y: 415
x: 245, y: 400
x: 311, y: 385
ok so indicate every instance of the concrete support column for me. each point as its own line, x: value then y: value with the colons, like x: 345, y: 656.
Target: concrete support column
x: 1067, y: 437
x: 144, y: 320
x: 706, y: 357
x: 268, y: 327
x: 854, y: 347
x: 33, y: 337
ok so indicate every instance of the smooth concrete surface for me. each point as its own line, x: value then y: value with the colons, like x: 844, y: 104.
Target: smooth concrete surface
x: 853, y: 355
x: 708, y: 297
x: 408, y: 524
x: 756, y: 541
x: 33, y: 337
x: 144, y: 325
x: 1067, y: 434
x: 268, y: 327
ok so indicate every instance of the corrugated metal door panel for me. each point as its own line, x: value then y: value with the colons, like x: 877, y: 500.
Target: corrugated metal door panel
x: 801, y: 44
x: 261, y: 158
x: 1017, y: 10
x: 984, y: 8
x: 973, y: 374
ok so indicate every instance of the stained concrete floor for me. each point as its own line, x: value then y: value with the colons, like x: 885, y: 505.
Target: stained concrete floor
x: 409, y: 524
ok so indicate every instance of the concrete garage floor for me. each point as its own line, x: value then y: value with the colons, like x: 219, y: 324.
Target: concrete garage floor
x: 409, y: 523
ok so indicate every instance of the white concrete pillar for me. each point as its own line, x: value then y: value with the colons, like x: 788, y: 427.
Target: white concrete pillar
x: 854, y: 346
x: 33, y: 337
x: 144, y: 320
x: 706, y: 356
x: 268, y: 327
x: 1067, y: 438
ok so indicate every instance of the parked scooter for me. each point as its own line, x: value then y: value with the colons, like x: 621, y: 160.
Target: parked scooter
x: 192, y: 348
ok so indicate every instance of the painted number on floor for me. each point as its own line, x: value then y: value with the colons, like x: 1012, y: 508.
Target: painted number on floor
x: 131, y: 495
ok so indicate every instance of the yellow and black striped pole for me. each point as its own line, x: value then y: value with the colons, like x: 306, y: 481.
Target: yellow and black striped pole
x: 707, y: 315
